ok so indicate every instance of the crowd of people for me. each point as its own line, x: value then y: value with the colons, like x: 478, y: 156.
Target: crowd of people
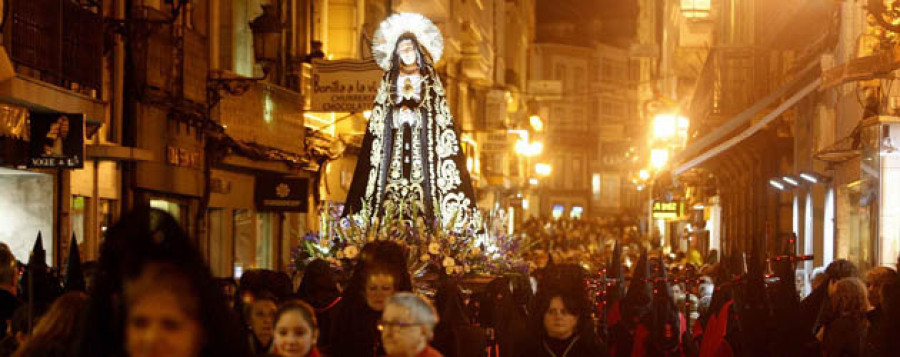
x: 152, y: 294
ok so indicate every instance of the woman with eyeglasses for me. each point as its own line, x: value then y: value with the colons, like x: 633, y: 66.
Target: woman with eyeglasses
x: 407, y: 326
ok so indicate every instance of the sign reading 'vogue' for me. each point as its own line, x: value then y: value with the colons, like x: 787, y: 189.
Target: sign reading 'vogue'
x: 344, y: 85
x: 57, y: 141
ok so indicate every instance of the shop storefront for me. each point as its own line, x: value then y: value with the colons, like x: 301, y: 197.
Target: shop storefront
x: 254, y: 220
x: 868, y: 198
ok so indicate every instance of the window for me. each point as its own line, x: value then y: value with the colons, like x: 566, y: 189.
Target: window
x: 577, y: 122
x: 266, y: 235
x: 244, y: 241
x: 561, y: 75
x: 236, y: 39
x: 607, y: 71
x: 106, y: 215
x: 254, y: 235
x: 78, y: 208
x: 558, y: 211
x: 576, y: 212
x: 578, y: 80
x: 220, y: 248
x: 696, y: 9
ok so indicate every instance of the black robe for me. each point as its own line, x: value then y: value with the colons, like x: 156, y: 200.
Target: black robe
x: 355, y: 331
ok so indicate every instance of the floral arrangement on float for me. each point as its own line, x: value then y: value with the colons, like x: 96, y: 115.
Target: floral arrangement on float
x: 431, y: 247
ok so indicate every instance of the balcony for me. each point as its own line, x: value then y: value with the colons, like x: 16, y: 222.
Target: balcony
x: 732, y: 79
x: 57, y: 42
x: 804, y: 20
x: 435, y: 10
x: 266, y: 115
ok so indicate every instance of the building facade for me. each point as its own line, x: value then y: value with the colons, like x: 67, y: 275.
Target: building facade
x: 791, y: 137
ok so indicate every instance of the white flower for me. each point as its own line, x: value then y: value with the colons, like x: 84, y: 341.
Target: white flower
x: 434, y: 248
x: 449, y: 262
x: 351, y: 251
x: 425, y: 257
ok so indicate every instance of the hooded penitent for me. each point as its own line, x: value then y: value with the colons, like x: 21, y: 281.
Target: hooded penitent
x: 454, y: 335
x: 718, y: 322
x: 38, y: 287
x: 666, y: 323
x: 74, y: 275
x: 615, y: 288
x: 639, y: 298
x: 635, y: 307
x: 754, y: 306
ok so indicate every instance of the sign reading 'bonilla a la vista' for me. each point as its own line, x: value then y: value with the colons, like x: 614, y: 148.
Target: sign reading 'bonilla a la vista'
x: 344, y: 85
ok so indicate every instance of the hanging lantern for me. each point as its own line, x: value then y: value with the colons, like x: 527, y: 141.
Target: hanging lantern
x: 266, y: 35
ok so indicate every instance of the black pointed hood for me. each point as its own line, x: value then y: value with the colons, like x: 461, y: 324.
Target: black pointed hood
x: 754, y: 307
x: 38, y: 257
x: 74, y: 275
x: 639, y: 297
x: 666, y: 324
x: 616, y: 288
x: 38, y: 286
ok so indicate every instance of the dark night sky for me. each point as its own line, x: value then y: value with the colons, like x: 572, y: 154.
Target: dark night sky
x: 610, y: 21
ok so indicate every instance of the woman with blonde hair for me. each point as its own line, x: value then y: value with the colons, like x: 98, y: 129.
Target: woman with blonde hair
x: 56, y: 333
x: 845, y: 334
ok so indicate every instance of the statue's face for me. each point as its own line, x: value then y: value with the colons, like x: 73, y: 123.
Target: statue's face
x: 407, y: 52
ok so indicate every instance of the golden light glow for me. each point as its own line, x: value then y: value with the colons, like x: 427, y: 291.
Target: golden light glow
x: 543, y: 169
x: 536, y: 123
x: 696, y: 9
x: 534, y: 148
x: 644, y: 174
x: 664, y: 126
x: 659, y: 158
x: 521, y: 147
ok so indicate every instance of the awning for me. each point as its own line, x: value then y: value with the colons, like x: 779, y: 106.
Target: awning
x: 694, y: 155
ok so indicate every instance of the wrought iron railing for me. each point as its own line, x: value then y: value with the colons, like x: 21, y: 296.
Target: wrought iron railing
x: 56, y: 41
x: 731, y: 80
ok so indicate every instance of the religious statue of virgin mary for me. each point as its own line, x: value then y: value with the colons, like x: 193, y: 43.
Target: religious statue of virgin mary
x: 411, y: 163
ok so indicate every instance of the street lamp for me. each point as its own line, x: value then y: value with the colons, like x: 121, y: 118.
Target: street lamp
x: 664, y: 126
x: 644, y: 175
x: 266, y: 36
x: 659, y: 158
x: 670, y: 126
x: 543, y: 169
